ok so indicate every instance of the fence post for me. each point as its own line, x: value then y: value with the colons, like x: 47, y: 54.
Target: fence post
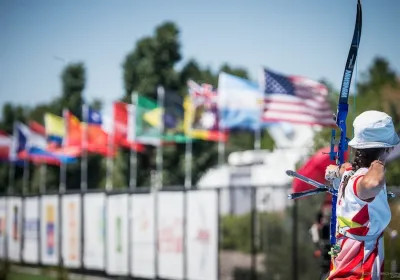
x: 219, y: 233
x: 60, y: 235
x: 39, y: 227
x: 155, y: 207
x: 184, y: 241
x: 294, y: 240
x: 105, y: 231
x: 22, y: 241
x: 82, y: 237
x: 253, y: 234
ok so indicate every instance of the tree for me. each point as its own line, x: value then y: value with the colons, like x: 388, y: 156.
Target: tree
x: 73, y: 83
x: 377, y: 90
x: 152, y: 62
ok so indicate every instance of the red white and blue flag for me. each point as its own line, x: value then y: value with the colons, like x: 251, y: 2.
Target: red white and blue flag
x: 295, y: 99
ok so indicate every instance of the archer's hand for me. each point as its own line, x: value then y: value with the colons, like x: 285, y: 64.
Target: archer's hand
x: 332, y: 173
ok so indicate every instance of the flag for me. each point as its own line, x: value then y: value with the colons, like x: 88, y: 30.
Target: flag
x: 66, y: 154
x: 30, y: 145
x: 94, y: 117
x: 295, y: 99
x: 54, y: 128
x: 5, y: 144
x: 149, y: 120
x: 74, y: 131
x: 201, y: 120
x: 124, y: 126
x: 146, y: 123
x: 97, y: 138
x: 239, y: 102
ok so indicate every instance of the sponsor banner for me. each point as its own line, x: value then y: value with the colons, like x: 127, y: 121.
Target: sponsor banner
x: 142, y: 236
x: 117, y: 235
x: 202, y: 235
x: 49, y: 229
x: 71, y: 230
x: 170, y: 235
x: 94, y: 230
x: 31, y: 230
x: 14, y: 225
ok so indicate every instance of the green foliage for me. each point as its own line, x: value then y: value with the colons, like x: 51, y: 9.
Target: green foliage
x: 392, y: 245
x: 275, y: 234
x: 152, y: 62
x: 236, y: 233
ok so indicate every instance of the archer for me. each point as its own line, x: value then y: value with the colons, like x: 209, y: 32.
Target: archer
x: 362, y: 208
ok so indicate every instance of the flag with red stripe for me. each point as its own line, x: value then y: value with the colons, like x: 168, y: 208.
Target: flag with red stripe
x: 295, y: 99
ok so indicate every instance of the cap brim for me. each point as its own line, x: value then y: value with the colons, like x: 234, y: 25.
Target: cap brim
x: 354, y: 143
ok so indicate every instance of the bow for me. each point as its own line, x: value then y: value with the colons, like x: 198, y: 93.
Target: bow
x: 340, y: 118
x: 342, y: 110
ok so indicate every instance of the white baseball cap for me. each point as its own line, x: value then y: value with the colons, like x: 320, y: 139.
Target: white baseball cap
x: 374, y: 129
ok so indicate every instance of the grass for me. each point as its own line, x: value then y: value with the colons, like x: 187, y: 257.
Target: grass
x: 24, y: 276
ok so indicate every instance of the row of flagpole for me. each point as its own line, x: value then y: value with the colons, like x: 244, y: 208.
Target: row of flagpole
x: 133, y: 153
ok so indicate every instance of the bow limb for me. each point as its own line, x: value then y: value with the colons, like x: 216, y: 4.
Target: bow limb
x: 343, y: 108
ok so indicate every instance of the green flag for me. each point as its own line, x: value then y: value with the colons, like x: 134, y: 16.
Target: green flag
x: 148, y: 122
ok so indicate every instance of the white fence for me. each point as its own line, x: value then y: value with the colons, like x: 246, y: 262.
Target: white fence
x: 171, y: 234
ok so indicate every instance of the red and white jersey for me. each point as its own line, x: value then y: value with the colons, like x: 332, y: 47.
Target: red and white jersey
x: 359, y: 232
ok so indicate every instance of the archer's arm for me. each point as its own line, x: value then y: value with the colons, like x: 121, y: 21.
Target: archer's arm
x: 373, y: 181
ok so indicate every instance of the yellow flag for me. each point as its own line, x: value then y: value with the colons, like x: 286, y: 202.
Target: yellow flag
x: 54, y: 125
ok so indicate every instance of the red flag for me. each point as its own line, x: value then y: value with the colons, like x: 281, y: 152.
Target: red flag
x: 97, y: 138
x: 5, y: 144
x: 37, y: 127
x: 121, y: 127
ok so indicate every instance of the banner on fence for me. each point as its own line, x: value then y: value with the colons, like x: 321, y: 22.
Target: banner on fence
x: 14, y: 228
x: 170, y: 235
x: 31, y: 230
x: 49, y: 229
x: 94, y: 230
x: 142, y: 236
x: 71, y: 228
x: 3, y: 211
x: 202, y: 235
x: 117, y: 234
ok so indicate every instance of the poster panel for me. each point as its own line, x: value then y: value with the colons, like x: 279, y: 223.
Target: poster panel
x: 94, y: 230
x: 117, y: 235
x: 202, y: 235
x: 3, y: 211
x: 14, y: 225
x: 31, y: 230
x: 142, y: 236
x: 170, y: 235
x: 49, y: 229
x: 71, y: 230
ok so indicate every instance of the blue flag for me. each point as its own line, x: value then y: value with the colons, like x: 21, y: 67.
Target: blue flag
x: 240, y: 102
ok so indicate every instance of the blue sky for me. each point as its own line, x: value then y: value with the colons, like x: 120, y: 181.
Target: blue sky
x: 307, y: 37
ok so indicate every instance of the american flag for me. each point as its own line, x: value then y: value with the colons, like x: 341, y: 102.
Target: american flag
x: 295, y: 99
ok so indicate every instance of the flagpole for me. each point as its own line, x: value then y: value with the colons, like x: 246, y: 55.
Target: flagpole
x: 257, y: 132
x: 110, y: 160
x: 133, y: 153
x: 84, y: 144
x: 25, y: 176
x: 189, y: 148
x: 63, y: 166
x: 43, y: 181
x: 14, y: 158
x: 159, y: 157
